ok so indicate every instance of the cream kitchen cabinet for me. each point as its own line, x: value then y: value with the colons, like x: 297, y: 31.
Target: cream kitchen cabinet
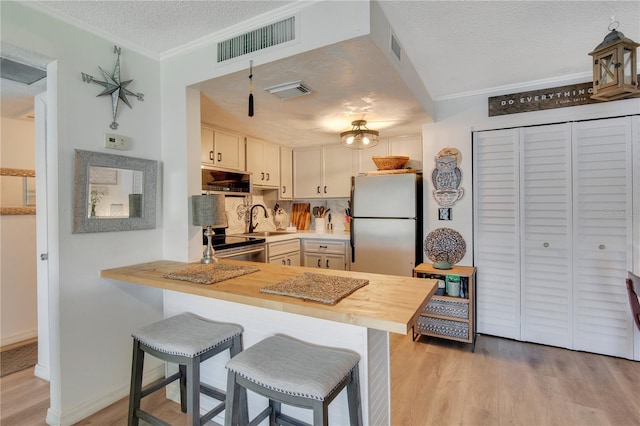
x: 284, y: 252
x: 286, y: 174
x: 323, y: 172
x: 325, y: 254
x: 263, y: 161
x: 221, y: 148
x: 411, y: 146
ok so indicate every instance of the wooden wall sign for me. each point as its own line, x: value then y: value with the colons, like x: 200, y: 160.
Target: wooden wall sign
x: 536, y: 100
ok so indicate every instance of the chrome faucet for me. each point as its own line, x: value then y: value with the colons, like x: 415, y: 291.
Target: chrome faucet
x: 253, y: 227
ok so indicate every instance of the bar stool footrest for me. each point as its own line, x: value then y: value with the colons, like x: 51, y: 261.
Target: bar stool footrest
x: 151, y: 419
x: 159, y: 385
x: 260, y: 417
x: 284, y: 420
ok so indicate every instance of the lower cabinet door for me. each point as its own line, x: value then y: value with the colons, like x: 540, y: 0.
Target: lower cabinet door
x: 325, y: 261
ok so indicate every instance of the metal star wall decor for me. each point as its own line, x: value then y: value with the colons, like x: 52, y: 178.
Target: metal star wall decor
x: 114, y: 87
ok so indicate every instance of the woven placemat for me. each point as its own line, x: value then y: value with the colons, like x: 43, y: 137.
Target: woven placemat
x: 327, y: 289
x: 210, y: 273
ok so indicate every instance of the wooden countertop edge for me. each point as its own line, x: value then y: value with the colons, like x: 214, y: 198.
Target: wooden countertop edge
x: 142, y: 274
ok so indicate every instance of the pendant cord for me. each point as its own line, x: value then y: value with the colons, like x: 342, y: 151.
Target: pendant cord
x: 250, y: 88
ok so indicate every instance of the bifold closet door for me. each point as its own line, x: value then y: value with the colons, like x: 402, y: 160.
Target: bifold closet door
x: 545, y: 215
x: 497, y: 231
x: 603, y: 246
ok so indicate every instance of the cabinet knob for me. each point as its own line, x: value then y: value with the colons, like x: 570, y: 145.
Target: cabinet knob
x: 319, y: 266
x: 284, y: 262
x: 211, y: 155
x: 262, y: 176
x: 268, y: 177
x: 545, y: 245
x: 289, y: 262
x: 327, y: 263
x: 325, y: 189
x: 318, y: 189
x: 322, y: 247
x: 601, y: 247
x: 284, y: 189
x: 219, y: 156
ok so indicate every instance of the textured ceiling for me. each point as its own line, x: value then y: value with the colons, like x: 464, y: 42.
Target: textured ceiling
x: 457, y: 48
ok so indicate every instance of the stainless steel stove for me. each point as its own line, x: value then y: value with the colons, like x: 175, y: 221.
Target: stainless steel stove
x: 237, y: 247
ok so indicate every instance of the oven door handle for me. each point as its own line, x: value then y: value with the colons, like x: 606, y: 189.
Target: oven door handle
x: 222, y: 254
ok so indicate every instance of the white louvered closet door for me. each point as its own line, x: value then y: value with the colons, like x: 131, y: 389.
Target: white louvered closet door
x: 545, y: 214
x: 603, y: 191
x: 497, y: 231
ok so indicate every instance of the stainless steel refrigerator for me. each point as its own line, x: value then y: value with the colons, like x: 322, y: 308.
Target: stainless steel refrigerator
x: 386, y: 223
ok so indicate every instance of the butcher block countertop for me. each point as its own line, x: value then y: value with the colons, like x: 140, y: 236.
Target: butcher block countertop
x: 387, y: 303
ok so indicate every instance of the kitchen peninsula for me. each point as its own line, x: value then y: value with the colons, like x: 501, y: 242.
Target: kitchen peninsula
x: 361, y: 321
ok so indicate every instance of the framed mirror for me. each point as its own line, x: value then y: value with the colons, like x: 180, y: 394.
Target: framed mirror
x: 113, y: 193
x: 18, y: 191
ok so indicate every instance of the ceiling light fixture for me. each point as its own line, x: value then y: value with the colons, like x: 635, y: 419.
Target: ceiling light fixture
x: 614, y: 67
x: 359, y: 137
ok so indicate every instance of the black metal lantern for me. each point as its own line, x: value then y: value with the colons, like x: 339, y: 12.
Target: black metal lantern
x: 615, y: 73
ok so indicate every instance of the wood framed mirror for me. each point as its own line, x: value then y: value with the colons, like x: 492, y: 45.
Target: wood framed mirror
x: 113, y: 193
x: 18, y: 189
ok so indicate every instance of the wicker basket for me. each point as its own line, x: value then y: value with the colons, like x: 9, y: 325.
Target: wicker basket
x: 390, y: 162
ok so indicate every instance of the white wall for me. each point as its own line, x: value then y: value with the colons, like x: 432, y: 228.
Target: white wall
x: 456, y: 119
x: 18, y: 319
x: 92, y: 317
x: 181, y: 105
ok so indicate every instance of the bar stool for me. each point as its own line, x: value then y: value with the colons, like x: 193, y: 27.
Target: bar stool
x: 186, y: 340
x: 286, y: 370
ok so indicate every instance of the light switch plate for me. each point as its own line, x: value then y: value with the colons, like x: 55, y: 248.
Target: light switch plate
x: 113, y: 141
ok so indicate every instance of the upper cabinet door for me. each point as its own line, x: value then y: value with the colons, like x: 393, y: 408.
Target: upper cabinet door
x: 411, y: 146
x: 307, y: 173
x: 286, y: 174
x: 263, y: 161
x: 365, y: 163
x: 271, y: 165
x: 206, y: 145
x: 229, y: 150
x: 337, y: 170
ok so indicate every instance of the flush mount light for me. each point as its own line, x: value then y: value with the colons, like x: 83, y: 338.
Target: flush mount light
x: 615, y: 67
x: 359, y: 137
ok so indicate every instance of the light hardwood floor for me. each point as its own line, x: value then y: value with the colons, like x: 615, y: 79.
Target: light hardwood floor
x: 436, y: 382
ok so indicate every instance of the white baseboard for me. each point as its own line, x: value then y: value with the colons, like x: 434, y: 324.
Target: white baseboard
x: 73, y: 416
x: 42, y: 372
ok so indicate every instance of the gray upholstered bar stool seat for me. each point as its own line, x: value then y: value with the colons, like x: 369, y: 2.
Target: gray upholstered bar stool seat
x: 186, y: 340
x: 286, y: 370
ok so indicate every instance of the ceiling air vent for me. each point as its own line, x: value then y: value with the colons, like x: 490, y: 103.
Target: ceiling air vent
x: 395, y: 47
x: 270, y: 35
x: 289, y: 90
x: 22, y: 73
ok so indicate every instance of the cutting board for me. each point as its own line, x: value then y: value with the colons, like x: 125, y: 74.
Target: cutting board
x: 301, y: 215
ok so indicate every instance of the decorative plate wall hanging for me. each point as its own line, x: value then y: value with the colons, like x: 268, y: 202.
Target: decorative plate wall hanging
x: 444, y: 247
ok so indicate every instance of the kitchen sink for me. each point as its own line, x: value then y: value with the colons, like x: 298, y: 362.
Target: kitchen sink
x: 266, y: 233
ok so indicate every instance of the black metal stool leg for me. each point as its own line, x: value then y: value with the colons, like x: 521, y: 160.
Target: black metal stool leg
x: 135, y: 393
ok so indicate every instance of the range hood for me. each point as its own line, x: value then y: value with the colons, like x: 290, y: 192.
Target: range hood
x: 216, y: 181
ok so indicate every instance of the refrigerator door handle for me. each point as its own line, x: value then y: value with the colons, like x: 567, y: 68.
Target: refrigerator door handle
x: 351, y: 221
